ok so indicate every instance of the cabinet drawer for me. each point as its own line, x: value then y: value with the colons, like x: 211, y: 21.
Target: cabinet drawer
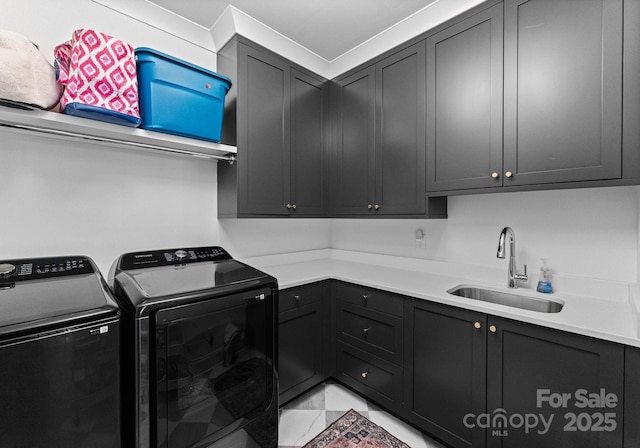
x: 377, y: 379
x: 293, y: 298
x: 377, y: 333
x: 369, y: 298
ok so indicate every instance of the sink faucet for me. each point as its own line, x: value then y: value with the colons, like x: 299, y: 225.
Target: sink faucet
x: 513, y: 277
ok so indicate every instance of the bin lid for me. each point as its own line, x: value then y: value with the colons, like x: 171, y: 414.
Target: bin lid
x: 150, y: 51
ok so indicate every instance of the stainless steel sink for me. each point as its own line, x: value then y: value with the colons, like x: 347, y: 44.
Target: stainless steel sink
x: 506, y: 298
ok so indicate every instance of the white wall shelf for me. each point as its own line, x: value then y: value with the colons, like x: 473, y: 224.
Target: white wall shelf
x: 76, y: 128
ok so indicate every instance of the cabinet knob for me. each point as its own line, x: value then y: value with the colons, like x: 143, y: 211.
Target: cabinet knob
x: 294, y: 206
x: 369, y: 206
x: 364, y: 374
x: 508, y: 174
x: 365, y: 297
x: 366, y: 330
x: 477, y: 325
x: 493, y: 329
x: 495, y: 175
x: 288, y: 206
x: 296, y: 297
x: 377, y: 207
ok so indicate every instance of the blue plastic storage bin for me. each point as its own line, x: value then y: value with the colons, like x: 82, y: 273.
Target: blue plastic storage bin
x: 180, y: 98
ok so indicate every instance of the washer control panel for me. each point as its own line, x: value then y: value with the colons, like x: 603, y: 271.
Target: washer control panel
x: 38, y: 268
x: 168, y: 257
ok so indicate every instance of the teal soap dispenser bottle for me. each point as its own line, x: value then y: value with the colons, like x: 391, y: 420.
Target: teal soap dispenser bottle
x: 544, y: 283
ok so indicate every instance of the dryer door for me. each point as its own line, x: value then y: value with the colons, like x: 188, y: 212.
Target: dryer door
x: 213, y: 367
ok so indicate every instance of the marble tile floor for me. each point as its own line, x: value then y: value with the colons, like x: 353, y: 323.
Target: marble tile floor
x: 306, y: 416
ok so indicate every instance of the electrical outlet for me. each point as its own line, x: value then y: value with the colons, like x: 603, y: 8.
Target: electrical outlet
x: 420, y: 238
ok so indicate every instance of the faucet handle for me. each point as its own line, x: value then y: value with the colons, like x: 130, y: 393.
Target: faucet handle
x: 522, y: 276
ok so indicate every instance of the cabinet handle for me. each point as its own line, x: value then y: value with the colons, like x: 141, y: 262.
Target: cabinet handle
x: 495, y: 175
x: 508, y: 174
x: 365, y: 297
x: 366, y: 330
x: 477, y: 325
x: 364, y: 374
x: 493, y: 329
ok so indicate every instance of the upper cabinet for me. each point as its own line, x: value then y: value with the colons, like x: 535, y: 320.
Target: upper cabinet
x: 379, y: 153
x: 509, y: 96
x: 540, y: 105
x: 276, y: 113
x: 400, y: 133
x: 562, y: 91
x: 309, y: 145
x: 464, y: 103
x: 354, y: 169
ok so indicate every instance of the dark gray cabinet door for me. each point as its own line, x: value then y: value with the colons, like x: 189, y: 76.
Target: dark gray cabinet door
x: 400, y: 133
x: 309, y: 175
x: 445, y: 371
x: 354, y: 157
x: 300, y: 340
x: 631, y: 92
x: 563, y: 91
x: 380, y: 148
x: 632, y: 397
x: 464, y: 104
x: 543, y: 372
x: 263, y: 133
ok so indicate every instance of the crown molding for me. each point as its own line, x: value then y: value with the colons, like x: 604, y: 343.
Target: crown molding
x: 234, y: 21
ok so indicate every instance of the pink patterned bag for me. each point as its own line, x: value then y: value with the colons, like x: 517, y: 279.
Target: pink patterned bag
x: 99, y: 75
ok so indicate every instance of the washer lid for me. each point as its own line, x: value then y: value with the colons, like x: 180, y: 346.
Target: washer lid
x: 44, y: 292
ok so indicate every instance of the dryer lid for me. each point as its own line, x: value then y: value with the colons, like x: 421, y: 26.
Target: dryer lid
x: 144, y: 278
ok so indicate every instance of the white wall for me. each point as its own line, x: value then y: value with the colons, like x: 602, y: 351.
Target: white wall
x: 62, y: 197
x: 255, y: 237
x: 48, y: 23
x: 583, y: 232
x: 68, y: 197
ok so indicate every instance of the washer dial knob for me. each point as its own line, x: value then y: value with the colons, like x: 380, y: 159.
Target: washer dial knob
x: 181, y: 254
x: 7, y: 269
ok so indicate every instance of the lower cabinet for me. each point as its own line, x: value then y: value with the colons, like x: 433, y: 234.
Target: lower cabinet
x: 632, y: 398
x: 573, y: 382
x: 369, y: 348
x: 465, y: 378
x: 300, y: 340
x: 445, y: 371
x: 376, y: 379
x: 474, y: 380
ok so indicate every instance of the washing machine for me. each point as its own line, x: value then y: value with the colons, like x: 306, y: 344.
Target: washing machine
x: 59, y: 355
x: 201, y: 331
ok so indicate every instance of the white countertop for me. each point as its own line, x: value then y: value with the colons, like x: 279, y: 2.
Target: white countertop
x: 597, y: 308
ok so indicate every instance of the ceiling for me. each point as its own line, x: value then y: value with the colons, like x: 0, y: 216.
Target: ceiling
x: 328, y: 28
